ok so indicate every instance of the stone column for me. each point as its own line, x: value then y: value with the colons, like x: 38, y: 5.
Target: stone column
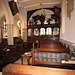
x: 24, y: 34
x: 63, y: 18
x: 10, y: 34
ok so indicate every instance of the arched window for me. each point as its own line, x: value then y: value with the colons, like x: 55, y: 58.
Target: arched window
x: 49, y: 31
x: 29, y: 32
x: 55, y: 31
x: 4, y: 30
x: 42, y: 31
x: 36, y: 32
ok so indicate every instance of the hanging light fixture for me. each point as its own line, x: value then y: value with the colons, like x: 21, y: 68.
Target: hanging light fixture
x: 40, y: 3
x: 42, y: 8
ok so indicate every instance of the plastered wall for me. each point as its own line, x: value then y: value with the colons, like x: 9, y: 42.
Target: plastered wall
x: 69, y: 26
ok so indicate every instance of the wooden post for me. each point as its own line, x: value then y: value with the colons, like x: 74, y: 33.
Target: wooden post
x: 33, y: 55
x: 37, y: 43
x: 52, y: 31
x: 45, y: 31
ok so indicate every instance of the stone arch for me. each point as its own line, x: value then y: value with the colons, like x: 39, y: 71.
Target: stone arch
x: 9, y: 19
x: 2, y: 19
x: 23, y: 18
x: 7, y: 11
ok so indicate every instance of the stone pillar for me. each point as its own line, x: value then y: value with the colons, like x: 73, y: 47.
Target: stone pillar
x: 24, y: 34
x: 10, y: 34
x: 63, y: 18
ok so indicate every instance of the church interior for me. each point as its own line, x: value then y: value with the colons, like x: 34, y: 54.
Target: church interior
x: 40, y: 33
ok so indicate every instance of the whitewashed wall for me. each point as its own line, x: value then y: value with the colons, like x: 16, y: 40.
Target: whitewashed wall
x: 69, y: 26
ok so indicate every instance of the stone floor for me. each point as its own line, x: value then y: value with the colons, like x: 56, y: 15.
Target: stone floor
x: 0, y: 73
x: 24, y: 61
x: 19, y: 62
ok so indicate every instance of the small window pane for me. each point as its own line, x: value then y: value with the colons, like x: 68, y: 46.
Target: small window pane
x: 29, y: 32
x: 4, y: 30
x: 48, y: 31
x: 36, y: 32
x: 42, y: 31
x: 55, y: 31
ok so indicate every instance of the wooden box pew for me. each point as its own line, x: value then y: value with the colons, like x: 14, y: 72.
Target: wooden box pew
x: 13, y: 52
x: 24, y: 47
x: 17, y: 69
x: 4, y: 56
x: 3, y: 43
x: 52, y: 45
x: 2, y: 46
x: 50, y: 56
x: 20, y: 48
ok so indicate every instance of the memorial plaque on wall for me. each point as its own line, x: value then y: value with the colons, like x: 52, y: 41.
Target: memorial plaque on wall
x: 13, y: 7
